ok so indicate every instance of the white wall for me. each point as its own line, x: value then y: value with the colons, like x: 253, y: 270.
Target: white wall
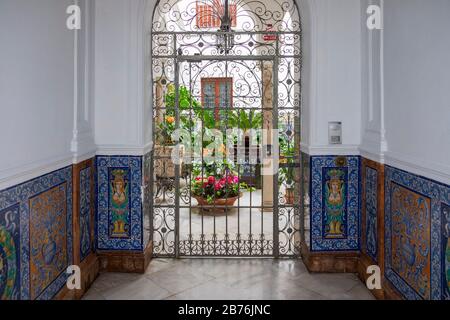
x: 36, y: 86
x: 111, y: 72
x: 332, y: 74
x: 83, y: 144
x: 417, y: 86
x: 46, y: 92
x: 122, y: 106
x: 373, y: 141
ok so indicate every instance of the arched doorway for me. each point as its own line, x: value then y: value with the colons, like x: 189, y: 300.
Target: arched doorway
x: 226, y: 128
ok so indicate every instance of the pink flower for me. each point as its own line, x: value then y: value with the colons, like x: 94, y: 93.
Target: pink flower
x: 235, y: 179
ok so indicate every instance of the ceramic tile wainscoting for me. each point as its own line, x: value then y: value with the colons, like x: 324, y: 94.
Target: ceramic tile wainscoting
x: 331, y: 197
x: 121, y: 244
x: 417, y: 250
x: 46, y: 224
x: 372, y: 219
x: 36, y: 233
x: 405, y: 231
x: 84, y: 224
x: 51, y: 222
x: 386, y: 217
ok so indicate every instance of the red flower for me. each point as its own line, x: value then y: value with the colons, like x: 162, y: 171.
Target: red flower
x: 217, y: 186
x: 211, y: 180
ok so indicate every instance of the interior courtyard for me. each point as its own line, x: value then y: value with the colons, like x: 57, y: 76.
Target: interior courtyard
x: 225, y: 149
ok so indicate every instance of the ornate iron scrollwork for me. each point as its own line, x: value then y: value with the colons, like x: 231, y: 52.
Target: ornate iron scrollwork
x: 265, y: 36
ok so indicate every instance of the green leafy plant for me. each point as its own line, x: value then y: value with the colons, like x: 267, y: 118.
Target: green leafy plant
x: 287, y: 161
x: 186, y: 100
x: 165, y: 130
x: 287, y: 149
x: 286, y: 175
x: 245, y: 119
x: 189, y: 109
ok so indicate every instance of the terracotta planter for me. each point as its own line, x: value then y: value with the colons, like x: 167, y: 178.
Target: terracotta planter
x: 218, y: 205
x: 164, y: 167
x: 289, y: 196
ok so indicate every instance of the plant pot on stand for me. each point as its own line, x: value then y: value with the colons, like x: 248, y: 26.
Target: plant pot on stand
x: 289, y: 195
x: 165, y: 167
x: 217, y: 205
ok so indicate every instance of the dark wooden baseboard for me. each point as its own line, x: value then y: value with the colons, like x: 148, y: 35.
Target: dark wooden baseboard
x: 330, y: 262
x: 125, y: 261
x: 390, y: 293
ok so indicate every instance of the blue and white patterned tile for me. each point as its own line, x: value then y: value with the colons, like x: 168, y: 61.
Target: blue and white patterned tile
x: 130, y: 176
x: 85, y: 212
x: 20, y: 195
x: 432, y: 196
x: 345, y: 236
x: 147, y: 163
x: 445, y: 252
x: 371, y: 209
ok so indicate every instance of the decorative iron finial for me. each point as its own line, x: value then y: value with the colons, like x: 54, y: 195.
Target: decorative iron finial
x: 225, y: 40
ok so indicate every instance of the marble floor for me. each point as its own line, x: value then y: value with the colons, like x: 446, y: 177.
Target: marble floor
x: 227, y: 279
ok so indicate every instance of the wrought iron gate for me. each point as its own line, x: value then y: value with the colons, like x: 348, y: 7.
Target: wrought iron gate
x: 205, y: 82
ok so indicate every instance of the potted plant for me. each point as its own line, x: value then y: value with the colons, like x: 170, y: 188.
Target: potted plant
x: 217, y: 192
x: 165, y: 130
x: 287, y: 177
x: 247, y: 120
x: 164, y: 148
x: 287, y: 150
x: 286, y: 173
x: 189, y: 109
x: 164, y: 166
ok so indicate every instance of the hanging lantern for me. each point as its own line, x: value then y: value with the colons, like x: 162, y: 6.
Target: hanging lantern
x: 225, y: 36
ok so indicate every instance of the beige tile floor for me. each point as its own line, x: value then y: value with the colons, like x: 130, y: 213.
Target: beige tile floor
x: 227, y: 279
